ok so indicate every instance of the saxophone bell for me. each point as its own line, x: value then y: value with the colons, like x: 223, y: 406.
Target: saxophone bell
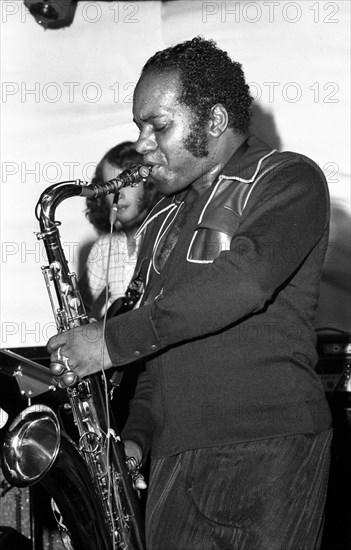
x: 36, y: 450
x: 31, y: 445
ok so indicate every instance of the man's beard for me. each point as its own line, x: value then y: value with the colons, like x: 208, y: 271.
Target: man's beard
x: 196, y: 141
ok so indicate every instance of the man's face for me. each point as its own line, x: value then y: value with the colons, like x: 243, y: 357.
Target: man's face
x: 169, y: 139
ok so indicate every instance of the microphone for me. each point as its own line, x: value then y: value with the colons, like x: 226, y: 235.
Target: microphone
x: 113, y: 210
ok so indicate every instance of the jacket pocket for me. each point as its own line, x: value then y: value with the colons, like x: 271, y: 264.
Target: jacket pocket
x: 213, y: 235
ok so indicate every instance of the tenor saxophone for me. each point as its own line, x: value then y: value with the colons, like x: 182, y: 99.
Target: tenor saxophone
x: 91, y: 483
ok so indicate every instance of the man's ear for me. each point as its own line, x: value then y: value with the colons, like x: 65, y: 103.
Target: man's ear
x: 218, y: 122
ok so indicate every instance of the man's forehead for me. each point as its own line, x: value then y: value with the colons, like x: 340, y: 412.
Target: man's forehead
x: 156, y: 90
x: 163, y: 78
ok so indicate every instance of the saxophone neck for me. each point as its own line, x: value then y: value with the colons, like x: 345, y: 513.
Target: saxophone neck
x: 61, y: 283
x: 57, y: 193
x: 51, y: 198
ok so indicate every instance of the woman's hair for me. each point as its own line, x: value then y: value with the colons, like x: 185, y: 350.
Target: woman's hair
x: 121, y: 156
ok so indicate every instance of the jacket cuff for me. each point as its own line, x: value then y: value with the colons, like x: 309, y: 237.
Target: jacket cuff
x: 131, y: 336
x: 139, y: 429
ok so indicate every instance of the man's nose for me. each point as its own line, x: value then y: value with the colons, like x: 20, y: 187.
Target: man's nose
x: 146, y: 142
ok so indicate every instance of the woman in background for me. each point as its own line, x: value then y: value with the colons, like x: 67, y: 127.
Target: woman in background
x: 133, y: 205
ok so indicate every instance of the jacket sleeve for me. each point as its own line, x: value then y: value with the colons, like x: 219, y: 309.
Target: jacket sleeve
x: 138, y: 426
x: 281, y: 224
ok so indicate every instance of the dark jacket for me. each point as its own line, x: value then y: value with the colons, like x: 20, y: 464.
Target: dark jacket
x: 226, y: 328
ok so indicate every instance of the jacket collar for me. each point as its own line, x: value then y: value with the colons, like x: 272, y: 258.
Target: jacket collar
x: 245, y: 164
x: 163, y: 205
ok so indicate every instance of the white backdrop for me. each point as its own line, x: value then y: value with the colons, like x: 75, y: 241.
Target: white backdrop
x: 66, y: 99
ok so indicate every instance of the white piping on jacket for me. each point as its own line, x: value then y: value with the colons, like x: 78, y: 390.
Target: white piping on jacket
x: 220, y: 179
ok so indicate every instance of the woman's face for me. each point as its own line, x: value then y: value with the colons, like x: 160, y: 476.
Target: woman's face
x: 132, y: 201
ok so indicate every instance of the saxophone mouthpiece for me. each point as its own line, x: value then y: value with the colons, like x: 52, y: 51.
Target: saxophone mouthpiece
x: 144, y: 171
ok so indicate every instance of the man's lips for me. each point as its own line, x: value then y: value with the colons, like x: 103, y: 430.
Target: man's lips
x: 122, y: 205
x: 151, y: 163
x: 154, y: 168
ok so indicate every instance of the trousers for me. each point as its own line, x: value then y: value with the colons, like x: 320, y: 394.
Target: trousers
x: 258, y: 495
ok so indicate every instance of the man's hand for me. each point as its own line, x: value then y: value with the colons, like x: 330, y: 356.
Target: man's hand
x: 83, y: 347
x: 132, y: 449
x: 134, y: 457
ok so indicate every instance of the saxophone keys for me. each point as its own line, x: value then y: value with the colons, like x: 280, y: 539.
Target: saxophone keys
x: 74, y: 303
x: 55, y: 267
x: 134, y: 471
x: 139, y: 482
x: 57, y: 368
x: 60, y: 368
x: 70, y: 378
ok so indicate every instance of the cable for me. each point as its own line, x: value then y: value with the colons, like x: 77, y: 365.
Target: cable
x: 113, y: 216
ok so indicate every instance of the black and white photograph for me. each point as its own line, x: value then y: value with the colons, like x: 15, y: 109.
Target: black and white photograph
x: 175, y: 284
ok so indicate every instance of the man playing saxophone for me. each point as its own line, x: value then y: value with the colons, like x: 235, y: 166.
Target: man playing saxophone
x: 229, y: 404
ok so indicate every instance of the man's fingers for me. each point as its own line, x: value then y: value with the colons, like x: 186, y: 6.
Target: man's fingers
x: 56, y: 342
